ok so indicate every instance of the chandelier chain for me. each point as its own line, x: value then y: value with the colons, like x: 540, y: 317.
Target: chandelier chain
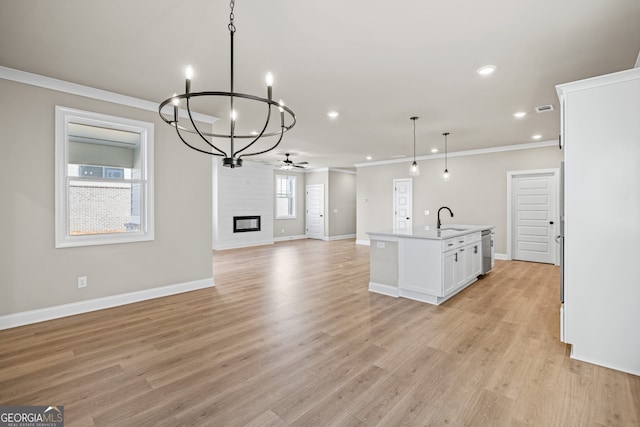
x: 232, y: 27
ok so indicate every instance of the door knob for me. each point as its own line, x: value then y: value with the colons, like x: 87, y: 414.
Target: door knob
x: 551, y: 222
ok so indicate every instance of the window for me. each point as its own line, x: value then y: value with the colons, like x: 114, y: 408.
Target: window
x: 104, y: 179
x: 285, y: 197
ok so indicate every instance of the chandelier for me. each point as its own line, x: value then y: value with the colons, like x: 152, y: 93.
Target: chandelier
x: 239, y: 145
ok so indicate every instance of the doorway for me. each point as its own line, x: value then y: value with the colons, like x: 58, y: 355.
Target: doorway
x: 532, y: 215
x: 402, y: 204
x: 314, y: 218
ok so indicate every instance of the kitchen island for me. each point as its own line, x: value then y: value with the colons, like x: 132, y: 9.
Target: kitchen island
x: 426, y: 263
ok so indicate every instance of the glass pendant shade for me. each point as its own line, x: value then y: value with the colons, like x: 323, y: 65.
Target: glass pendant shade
x: 414, y: 170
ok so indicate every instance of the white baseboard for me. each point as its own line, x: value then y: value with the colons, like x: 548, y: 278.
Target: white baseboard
x: 286, y: 238
x: 380, y: 288
x: 363, y: 242
x: 595, y: 361
x: 40, y: 315
x: 342, y: 237
x: 223, y: 247
x: 502, y: 257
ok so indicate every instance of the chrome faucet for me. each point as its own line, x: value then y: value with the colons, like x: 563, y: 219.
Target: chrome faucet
x: 450, y: 213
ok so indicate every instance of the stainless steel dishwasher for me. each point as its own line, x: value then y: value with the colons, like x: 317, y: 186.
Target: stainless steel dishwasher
x: 487, y: 251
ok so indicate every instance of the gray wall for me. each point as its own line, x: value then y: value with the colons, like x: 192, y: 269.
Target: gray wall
x: 476, y: 193
x: 342, y: 203
x: 283, y: 228
x: 33, y: 274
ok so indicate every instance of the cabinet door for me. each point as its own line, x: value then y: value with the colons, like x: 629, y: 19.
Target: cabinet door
x: 448, y: 272
x: 461, y: 269
x: 476, y: 260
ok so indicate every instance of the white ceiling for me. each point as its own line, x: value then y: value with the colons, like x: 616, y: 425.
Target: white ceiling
x: 377, y: 63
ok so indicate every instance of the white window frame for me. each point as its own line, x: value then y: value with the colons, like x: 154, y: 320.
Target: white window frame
x: 293, y: 196
x: 64, y: 116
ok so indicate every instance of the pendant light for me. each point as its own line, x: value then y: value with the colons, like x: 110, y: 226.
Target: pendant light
x: 445, y: 174
x: 414, y: 169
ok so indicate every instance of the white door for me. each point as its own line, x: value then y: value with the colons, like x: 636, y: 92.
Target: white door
x: 315, y: 211
x: 402, y: 204
x: 533, y: 217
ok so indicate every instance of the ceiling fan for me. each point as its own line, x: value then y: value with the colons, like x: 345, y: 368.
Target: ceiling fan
x: 288, y: 164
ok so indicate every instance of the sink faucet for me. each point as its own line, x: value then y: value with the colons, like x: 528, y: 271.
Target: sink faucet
x: 450, y: 213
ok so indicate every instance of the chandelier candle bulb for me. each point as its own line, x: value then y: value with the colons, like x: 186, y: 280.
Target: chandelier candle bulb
x: 175, y: 103
x: 189, y: 75
x: 269, y: 79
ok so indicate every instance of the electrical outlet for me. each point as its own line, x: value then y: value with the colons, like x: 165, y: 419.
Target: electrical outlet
x: 283, y: 230
x: 82, y: 282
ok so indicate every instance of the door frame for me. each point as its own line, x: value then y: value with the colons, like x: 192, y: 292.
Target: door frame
x: 511, y: 175
x: 395, y: 181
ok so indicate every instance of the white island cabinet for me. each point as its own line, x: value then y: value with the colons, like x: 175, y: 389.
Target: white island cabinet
x: 432, y: 265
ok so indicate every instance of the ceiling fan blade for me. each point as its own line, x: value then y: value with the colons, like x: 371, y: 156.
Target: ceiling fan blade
x: 302, y: 163
x: 298, y: 166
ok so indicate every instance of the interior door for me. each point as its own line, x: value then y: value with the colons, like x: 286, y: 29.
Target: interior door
x: 402, y: 205
x: 534, y: 211
x: 315, y: 211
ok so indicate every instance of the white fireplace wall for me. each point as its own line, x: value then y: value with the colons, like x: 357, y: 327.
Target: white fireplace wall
x: 244, y: 191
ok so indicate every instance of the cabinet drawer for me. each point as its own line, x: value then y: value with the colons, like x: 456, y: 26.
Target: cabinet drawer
x: 453, y: 243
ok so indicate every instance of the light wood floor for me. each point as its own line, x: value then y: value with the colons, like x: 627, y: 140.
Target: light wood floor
x: 291, y: 336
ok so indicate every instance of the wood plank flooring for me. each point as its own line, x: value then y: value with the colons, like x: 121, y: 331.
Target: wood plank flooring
x: 290, y: 336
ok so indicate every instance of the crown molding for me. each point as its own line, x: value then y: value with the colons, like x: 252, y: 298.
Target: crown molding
x: 527, y: 146
x: 37, y: 80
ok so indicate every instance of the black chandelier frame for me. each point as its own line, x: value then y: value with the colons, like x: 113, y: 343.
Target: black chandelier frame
x: 233, y: 157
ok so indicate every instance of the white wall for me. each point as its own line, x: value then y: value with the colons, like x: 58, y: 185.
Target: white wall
x: 248, y: 190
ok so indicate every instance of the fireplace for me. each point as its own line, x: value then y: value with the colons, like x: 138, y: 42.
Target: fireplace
x: 242, y: 224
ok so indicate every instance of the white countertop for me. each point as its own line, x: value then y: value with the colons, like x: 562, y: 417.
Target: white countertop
x: 432, y: 233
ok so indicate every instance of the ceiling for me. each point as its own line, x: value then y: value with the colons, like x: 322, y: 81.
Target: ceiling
x: 376, y: 63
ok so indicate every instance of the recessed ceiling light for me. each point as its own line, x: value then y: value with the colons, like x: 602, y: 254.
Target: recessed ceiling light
x: 486, y: 70
x: 519, y: 114
x: 434, y: 150
x: 368, y: 157
x: 536, y: 136
x: 333, y: 114
x: 253, y: 132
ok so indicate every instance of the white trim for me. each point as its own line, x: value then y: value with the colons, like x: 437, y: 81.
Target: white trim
x: 530, y: 145
x: 71, y: 309
x: 638, y: 61
x: 287, y: 238
x: 363, y: 242
x: 7, y: 73
x: 502, y: 257
x: 382, y: 289
x: 510, y: 176
x: 607, y: 79
x: 224, y: 247
x: 330, y: 169
x: 341, y: 237
x: 64, y: 116
x: 574, y: 355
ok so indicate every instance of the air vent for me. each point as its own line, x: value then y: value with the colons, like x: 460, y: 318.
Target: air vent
x: 544, y: 108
